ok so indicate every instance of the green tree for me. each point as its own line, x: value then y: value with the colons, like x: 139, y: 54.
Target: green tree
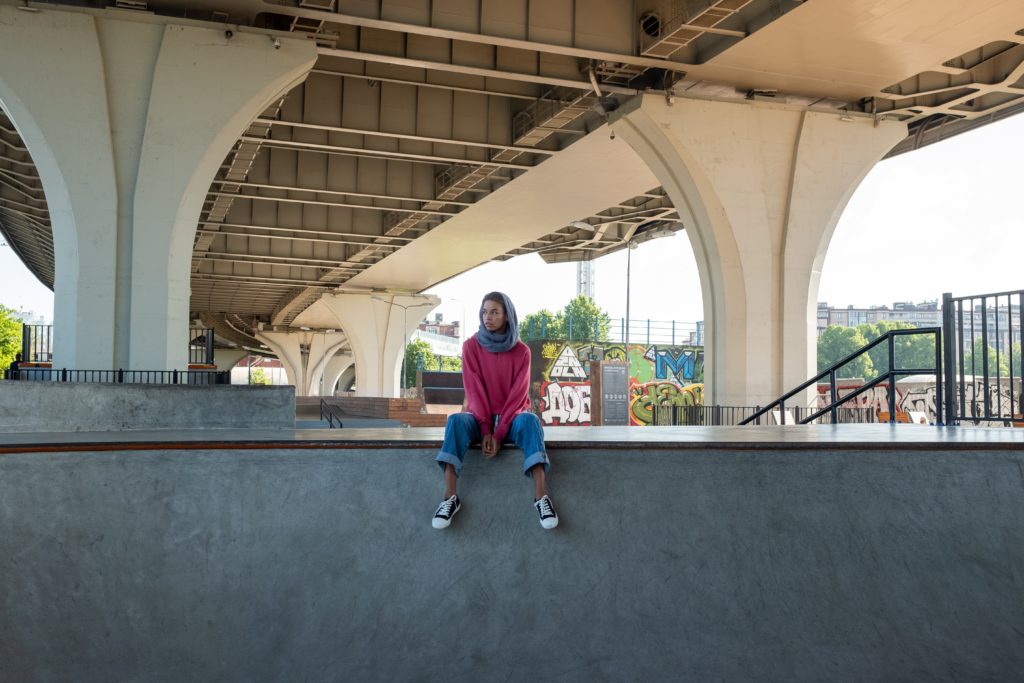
x: 258, y: 376
x: 418, y: 356
x: 451, y: 363
x: 10, y: 336
x: 974, y: 361
x: 911, y: 351
x: 541, y: 325
x: 582, y: 319
x: 835, y: 343
x: 579, y: 320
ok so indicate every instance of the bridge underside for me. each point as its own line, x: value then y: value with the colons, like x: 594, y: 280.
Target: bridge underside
x: 421, y: 122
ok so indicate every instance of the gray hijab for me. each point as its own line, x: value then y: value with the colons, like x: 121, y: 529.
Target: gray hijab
x: 496, y: 342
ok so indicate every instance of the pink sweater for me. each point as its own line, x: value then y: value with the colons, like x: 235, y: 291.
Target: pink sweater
x: 496, y: 384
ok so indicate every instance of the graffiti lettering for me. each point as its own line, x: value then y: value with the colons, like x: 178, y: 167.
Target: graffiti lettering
x: 567, y: 366
x: 560, y: 378
x: 565, y: 404
x: 668, y: 363
x: 646, y: 396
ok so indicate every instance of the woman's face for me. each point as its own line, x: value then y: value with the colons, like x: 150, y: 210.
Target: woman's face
x: 494, y: 316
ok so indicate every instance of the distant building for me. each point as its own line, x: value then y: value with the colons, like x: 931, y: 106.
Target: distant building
x: 30, y: 318
x: 925, y: 314
x: 1000, y: 330
x: 439, y: 327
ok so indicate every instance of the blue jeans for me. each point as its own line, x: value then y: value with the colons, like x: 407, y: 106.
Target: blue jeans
x: 526, y: 432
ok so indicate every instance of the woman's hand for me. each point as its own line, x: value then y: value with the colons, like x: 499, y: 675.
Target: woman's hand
x: 490, y: 446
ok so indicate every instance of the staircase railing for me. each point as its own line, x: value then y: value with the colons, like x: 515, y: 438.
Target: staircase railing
x: 330, y: 413
x: 890, y: 375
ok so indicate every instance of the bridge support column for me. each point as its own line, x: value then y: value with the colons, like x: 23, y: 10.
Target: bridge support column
x: 304, y: 353
x: 760, y: 187
x: 377, y: 326
x: 128, y: 120
x: 225, y: 359
x: 333, y: 371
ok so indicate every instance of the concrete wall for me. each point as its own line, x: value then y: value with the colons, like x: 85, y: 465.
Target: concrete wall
x: 59, y: 407
x: 322, y: 566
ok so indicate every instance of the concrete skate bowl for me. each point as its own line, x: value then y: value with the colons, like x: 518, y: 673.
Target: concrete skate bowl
x: 321, y: 565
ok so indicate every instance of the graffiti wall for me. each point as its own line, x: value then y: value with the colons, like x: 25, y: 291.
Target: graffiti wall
x: 918, y: 395
x: 659, y: 375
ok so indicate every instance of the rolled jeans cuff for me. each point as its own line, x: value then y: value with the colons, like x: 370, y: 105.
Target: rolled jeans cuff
x: 540, y: 457
x: 443, y: 458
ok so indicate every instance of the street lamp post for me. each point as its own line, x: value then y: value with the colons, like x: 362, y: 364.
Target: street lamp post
x: 643, y: 234
x: 405, y: 333
x: 630, y: 246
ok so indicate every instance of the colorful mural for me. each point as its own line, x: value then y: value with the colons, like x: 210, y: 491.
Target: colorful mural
x: 659, y: 375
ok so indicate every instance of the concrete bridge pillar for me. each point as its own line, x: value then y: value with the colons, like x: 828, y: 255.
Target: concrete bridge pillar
x: 304, y: 355
x: 333, y: 371
x: 378, y: 326
x: 128, y: 117
x: 760, y: 187
x: 225, y: 359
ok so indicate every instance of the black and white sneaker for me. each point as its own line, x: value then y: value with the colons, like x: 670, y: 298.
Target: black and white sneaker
x: 445, y: 511
x: 548, y: 516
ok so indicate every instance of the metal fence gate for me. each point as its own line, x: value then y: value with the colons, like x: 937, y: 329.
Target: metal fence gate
x: 982, y: 358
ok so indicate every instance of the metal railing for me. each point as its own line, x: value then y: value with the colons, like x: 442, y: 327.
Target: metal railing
x: 200, y: 346
x: 36, y: 343
x: 835, y: 401
x: 638, y: 331
x: 330, y: 413
x: 983, y: 357
x: 192, y: 377
x: 715, y: 416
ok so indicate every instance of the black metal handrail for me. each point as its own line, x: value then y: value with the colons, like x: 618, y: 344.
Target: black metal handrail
x: 989, y: 324
x: 330, y: 413
x: 890, y: 375
x: 717, y: 415
x: 121, y: 376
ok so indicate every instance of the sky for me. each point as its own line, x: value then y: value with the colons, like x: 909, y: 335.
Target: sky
x: 940, y: 219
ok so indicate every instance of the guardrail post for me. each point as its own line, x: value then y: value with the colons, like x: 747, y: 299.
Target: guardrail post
x: 174, y: 376
x: 949, y: 366
x: 120, y: 375
x: 833, y: 393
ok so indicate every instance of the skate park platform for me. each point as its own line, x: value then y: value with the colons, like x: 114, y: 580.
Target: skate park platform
x: 847, y: 553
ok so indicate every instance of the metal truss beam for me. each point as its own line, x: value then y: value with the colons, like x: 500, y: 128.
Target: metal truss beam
x: 311, y: 190
x: 380, y: 153
x: 404, y: 136
x: 314, y: 202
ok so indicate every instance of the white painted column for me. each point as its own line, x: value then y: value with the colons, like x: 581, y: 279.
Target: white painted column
x: 760, y: 187
x: 325, y: 346
x: 292, y: 349
x: 304, y: 354
x: 347, y: 376
x: 336, y: 366
x: 225, y: 359
x: 377, y: 326
x: 128, y: 119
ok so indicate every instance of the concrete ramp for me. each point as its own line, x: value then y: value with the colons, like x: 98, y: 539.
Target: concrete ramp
x: 304, y: 565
